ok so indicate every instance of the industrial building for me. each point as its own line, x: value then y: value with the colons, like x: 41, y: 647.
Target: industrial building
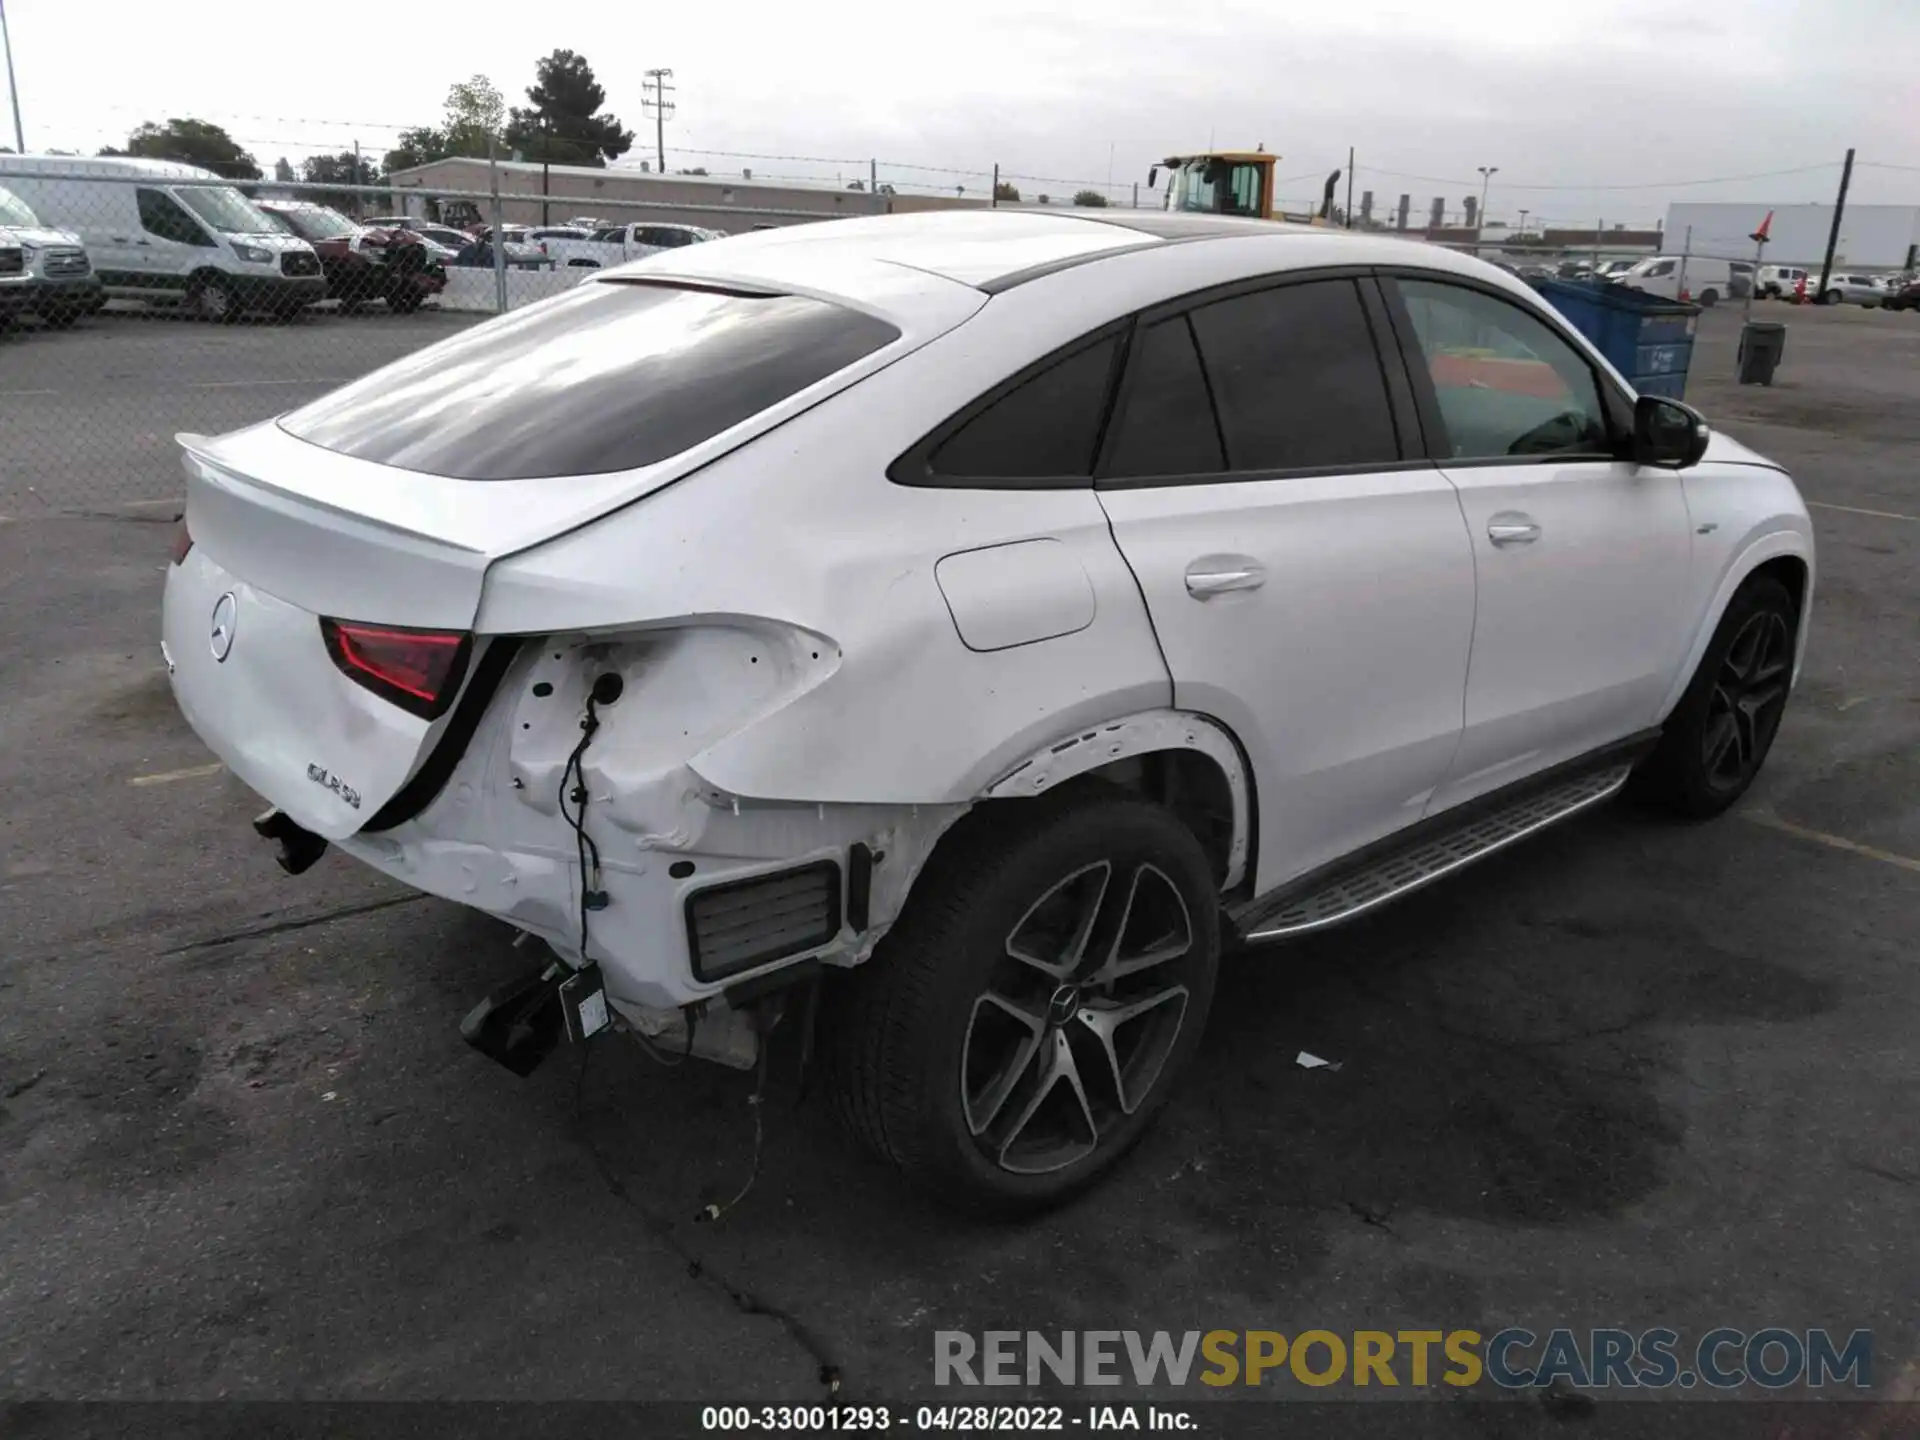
x: 715, y: 201
x: 1872, y: 237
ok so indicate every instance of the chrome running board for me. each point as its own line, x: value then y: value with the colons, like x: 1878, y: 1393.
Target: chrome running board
x: 1398, y: 871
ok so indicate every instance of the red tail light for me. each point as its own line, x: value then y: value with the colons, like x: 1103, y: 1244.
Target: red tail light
x: 182, y: 541
x: 418, y: 670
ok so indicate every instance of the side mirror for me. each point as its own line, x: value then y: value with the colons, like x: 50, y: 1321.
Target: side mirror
x: 1153, y: 177
x: 1667, y: 433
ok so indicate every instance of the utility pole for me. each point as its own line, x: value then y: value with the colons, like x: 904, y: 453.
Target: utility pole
x: 1487, y: 172
x: 1833, y: 235
x: 546, y: 166
x: 13, y: 89
x: 359, y: 201
x: 656, y: 90
x: 994, y: 204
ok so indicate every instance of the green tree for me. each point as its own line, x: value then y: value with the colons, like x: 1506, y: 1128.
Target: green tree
x: 564, y: 124
x: 421, y: 146
x: 345, y: 168
x: 282, y: 171
x: 191, y: 142
x: 475, y: 112
x: 1008, y: 193
x: 1089, y: 197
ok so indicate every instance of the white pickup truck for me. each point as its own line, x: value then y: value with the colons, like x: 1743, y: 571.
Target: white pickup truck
x: 573, y: 247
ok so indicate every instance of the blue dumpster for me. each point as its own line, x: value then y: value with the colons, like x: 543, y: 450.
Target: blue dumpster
x: 1647, y: 339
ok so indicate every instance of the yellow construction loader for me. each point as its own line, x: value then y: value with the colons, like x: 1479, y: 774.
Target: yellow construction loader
x: 1231, y: 182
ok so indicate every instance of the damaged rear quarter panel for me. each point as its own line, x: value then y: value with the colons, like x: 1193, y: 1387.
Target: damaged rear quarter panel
x: 801, y: 531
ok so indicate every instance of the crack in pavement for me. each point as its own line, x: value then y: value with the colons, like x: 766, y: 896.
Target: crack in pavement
x: 305, y: 922
x: 744, y: 1300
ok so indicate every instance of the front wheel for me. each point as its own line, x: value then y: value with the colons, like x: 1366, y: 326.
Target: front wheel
x: 1719, y: 734
x: 1709, y: 298
x: 403, y: 299
x: 213, y: 299
x: 1017, y: 1030
x: 1832, y: 297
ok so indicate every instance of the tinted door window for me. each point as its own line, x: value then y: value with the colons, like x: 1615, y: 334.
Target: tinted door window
x: 1296, y: 378
x: 1665, y: 267
x: 1044, y: 428
x: 1165, y: 425
x: 1506, y: 384
x: 161, y: 215
x: 611, y: 376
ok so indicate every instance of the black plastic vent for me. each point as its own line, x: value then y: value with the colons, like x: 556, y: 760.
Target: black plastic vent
x: 747, y: 923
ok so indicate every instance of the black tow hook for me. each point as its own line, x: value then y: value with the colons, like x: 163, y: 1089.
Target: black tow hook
x: 300, y: 848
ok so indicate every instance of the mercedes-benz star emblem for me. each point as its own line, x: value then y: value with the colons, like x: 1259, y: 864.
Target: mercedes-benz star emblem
x: 225, y: 610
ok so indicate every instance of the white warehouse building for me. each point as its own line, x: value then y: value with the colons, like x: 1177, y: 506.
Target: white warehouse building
x: 1872, y: 237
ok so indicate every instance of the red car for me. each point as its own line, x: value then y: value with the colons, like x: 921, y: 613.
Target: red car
x: 360, y: 261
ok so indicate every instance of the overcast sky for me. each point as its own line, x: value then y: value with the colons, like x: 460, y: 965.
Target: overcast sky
x: 1589, y: 110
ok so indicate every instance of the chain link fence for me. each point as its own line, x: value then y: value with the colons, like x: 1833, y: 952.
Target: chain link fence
x: 142, y: 299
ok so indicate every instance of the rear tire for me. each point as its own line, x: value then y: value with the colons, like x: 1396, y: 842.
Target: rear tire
x: 1718, y: 736
x: 403, y: 300
x: 1017, y: 1030
x: 1709, y: 298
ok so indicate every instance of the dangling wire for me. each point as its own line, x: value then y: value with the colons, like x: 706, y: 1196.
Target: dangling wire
x: 714, y: 1211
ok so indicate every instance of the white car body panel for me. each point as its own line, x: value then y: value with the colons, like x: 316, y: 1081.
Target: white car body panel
x: 814, y: 656
x: 1573, y: 641
x: 1342, y: 674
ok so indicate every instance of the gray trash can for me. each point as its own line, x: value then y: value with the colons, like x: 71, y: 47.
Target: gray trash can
x: 1762, y: 343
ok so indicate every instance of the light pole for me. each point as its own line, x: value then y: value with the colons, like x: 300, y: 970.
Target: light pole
x: 1523, y: 222
x: 13, y: 89
x: 1487, y: 172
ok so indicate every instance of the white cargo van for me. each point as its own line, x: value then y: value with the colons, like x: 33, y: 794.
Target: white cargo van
x: 170, y: 234
x: 1681, y: 277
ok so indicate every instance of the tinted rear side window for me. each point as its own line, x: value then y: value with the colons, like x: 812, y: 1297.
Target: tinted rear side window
x: 1045, y: 428
x: 610, y: 376
x: 1296, y: 378
x: 1165, y: 425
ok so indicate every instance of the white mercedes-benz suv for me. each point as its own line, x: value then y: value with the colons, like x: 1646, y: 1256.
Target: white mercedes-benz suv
x: 956, y: 627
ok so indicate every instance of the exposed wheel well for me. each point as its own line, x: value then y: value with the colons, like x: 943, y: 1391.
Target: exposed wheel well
x: 1190, y: 785
x: 1790, y: 571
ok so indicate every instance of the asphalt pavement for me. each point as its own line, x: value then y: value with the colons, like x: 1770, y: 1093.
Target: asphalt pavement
x: 1628, y: 1074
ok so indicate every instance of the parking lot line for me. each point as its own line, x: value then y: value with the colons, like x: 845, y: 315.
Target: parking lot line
x: 1833, y: 842
x: 1856, y: 510
x: 166, y: 777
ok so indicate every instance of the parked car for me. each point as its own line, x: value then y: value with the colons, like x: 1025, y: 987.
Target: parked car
x: 617, y: 244
x: 170, y: 234
x: 1677, y: 277
x: 363, y: 262
x: 1854, y: 289
x: 43, y: 272
x: 1613, y: 269
x: 978, y: 633
x: 664, y: 237
x: 1778, y: 282
x: 1905, y: 297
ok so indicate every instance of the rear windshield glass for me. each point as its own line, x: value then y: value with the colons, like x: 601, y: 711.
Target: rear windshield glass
x: 611, y: 376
